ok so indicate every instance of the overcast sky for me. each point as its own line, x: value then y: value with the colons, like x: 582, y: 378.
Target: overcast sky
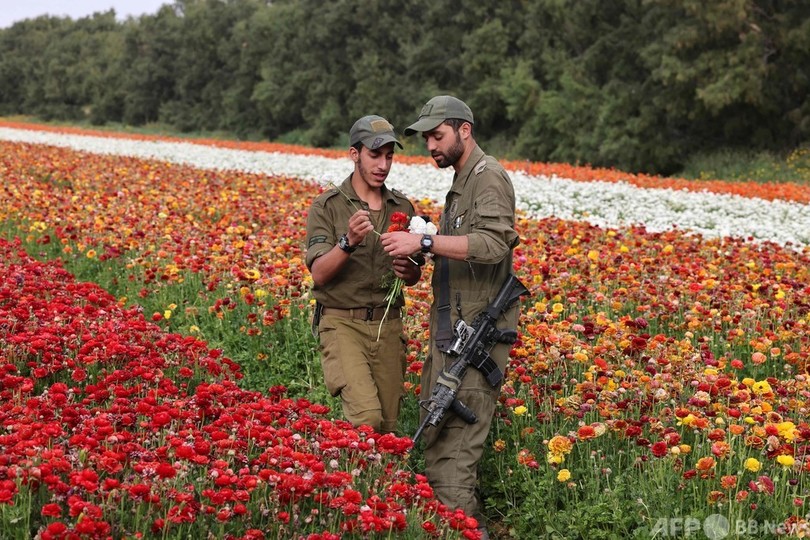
x: 12, y: 11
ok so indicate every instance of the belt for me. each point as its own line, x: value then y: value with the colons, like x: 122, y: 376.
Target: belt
x: 362, y: 313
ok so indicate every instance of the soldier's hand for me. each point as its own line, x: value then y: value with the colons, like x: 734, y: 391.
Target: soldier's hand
x: 400, y: 243
x: 407, y: 269
x: 359, y: 226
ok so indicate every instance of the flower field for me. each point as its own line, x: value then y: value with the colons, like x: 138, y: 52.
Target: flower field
x: 160, y: 380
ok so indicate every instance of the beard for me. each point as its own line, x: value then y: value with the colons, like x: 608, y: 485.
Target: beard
x: 453, y: 154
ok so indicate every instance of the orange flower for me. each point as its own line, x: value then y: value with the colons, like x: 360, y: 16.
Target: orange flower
x: 559, y: 445
x: 728, y: 481
x: 736, y: 429
x: 721, y: 449
x: 586, y: 432
x: 715, y: 497
x: 525, y: 457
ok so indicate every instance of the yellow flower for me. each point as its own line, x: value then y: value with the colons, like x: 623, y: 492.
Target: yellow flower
x: 688, y: 420
x: 787, y: 430
x: 520, y: 410
x: 785, y: 460
x: 752, y: 464
x: 499, y: 445
x: 555, y: 459
x: 564, y: 475
x: 557, y: 308
x: 91, y: 254
x: 580, y: 356
x: 761, y: 387
x: 167, y: 314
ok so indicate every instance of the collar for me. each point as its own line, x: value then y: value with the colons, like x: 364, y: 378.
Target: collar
x: 460, y: 178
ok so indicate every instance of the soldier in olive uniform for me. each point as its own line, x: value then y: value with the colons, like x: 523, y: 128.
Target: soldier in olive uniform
x: 349, y: 268
x: 473, y: 254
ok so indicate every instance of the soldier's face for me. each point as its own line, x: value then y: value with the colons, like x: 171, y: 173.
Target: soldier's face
x: 445, y: 145
x: 374, y: 165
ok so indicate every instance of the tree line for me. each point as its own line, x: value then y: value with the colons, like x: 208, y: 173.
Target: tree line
x: 635, y: 84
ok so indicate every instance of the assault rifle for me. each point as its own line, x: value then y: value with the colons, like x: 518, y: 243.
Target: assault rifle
x: 471, y: 345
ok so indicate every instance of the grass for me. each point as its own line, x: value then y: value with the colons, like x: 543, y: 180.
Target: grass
x: 746, y: 165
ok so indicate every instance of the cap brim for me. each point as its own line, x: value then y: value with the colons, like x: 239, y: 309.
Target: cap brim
x: 423, y: 124
x: 375, y: 142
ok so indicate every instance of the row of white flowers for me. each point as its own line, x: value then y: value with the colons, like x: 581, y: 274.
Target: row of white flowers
x: 606, y: 204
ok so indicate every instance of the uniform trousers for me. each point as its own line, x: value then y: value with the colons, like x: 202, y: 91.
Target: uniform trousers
x: 454, y: 448
x: 368, y: 374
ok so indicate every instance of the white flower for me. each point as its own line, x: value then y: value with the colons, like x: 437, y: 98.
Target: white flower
x: 421, y: 225
x: 604, y: 204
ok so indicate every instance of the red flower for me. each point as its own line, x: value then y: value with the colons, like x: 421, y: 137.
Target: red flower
x: 399, y: 218
x: 659, y: 449
x: 165, y: 470
x: 399, y: 222
x: 52, y: 510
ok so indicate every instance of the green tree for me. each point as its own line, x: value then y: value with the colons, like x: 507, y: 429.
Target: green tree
x: 147, y: 70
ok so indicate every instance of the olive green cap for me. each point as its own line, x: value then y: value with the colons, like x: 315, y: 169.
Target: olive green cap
x: 373, y: 131
x: 437, y: 110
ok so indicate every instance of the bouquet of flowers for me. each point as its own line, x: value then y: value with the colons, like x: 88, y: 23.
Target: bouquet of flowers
x: 422, y: 225
x: 418, y: 225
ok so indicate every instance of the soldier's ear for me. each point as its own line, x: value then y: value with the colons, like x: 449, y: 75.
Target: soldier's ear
x: 354, y: 154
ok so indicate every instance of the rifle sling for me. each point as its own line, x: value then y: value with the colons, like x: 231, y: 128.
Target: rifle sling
x: 444, y: 330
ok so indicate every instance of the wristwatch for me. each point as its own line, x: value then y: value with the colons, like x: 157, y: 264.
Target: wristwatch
x: 426, y: 243
x: 343, y: 244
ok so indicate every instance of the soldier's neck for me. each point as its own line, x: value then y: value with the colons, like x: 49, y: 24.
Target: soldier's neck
x: 370, y: 195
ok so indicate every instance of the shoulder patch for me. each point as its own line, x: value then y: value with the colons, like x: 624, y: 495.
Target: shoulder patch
x: 317, y: 240
x: 480, y: 166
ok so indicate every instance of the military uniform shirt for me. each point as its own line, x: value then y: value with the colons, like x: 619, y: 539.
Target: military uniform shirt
x: 481, y: 205
x: 365, y: 279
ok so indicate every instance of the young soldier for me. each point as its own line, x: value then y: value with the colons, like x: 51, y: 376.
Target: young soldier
x: 349, y: 269
x: 473, y: 254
